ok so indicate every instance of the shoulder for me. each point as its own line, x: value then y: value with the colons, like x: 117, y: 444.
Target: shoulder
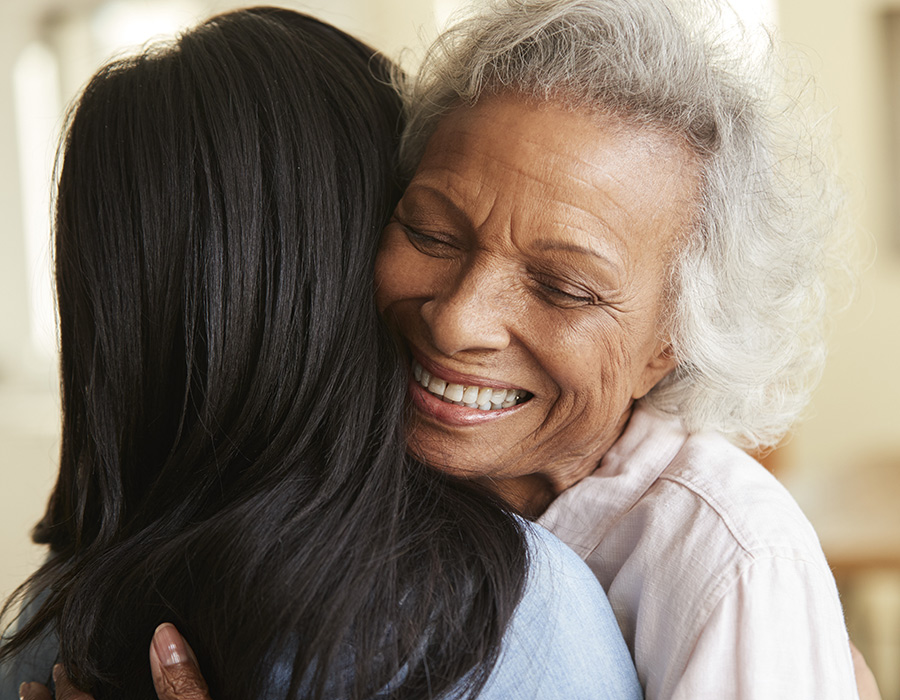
x: 704, y: 556
x: 553, y: 565
x: 665, y: 495
x: 563, y: 641
x: 715, y: 524
x: 728, y: 583
x: 740, y: 491
x: 728, y: 495
x: 562, y: 595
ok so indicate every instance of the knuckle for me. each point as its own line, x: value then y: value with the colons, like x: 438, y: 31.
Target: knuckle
x: 181, y: 682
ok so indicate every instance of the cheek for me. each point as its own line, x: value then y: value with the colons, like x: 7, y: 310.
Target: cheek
x: 383, y: 289
x: 403, y: 274
x: 392, y: 280
x: 593, y: 400
x: 591, y: 366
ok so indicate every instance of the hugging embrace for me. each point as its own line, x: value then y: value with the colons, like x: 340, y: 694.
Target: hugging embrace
x: 436, y: 386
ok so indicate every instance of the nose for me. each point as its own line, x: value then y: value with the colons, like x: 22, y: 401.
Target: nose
x: 472, y: 314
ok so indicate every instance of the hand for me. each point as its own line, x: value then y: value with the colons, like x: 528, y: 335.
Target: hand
x: 173, y: 666
x: 64, y: 688
x: 865, y: 680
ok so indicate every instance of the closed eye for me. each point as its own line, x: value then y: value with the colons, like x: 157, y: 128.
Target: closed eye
x: 569, y: 297
x: 428, y: 244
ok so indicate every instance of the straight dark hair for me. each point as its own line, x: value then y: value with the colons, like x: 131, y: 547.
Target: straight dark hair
x: 232, y: 446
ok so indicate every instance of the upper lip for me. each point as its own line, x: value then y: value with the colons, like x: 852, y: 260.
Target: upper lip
x: 452, y: 377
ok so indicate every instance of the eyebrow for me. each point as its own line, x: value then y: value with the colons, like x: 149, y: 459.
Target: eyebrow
x: 429, y: 194
x: 569, y: 247
x: 429, y: 197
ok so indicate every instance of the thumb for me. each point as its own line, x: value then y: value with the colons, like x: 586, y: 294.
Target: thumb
x: 173, y: 665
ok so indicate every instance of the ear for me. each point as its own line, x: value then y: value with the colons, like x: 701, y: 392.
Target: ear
x: 661, y: 362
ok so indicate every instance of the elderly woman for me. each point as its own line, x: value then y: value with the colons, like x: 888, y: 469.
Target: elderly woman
x: 609, y: 272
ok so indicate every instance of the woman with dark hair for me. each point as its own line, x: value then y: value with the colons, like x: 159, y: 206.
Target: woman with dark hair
x: 233, y: 455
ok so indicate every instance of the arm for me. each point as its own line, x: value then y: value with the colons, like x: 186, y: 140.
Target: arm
x: 865, y: 680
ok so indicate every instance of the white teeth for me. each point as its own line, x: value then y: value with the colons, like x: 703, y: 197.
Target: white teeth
x: 438, y: 386
x: 454, y: 392
x: 480, y: 397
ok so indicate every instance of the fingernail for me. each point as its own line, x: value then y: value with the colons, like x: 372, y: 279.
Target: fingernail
x: 169, y: 645
x: 24, y: 691
x: 57, y: 670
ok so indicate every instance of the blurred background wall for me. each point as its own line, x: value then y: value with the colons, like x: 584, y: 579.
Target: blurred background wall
x: 842, y: 464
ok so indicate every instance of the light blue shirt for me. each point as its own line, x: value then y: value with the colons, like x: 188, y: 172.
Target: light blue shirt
x: 34, y: 663
x: 563, y: 641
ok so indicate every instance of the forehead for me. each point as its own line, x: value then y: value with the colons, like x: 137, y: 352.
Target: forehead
x: 526, y: 160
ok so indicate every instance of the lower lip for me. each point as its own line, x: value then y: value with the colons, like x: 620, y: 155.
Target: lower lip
x: 450, y: 413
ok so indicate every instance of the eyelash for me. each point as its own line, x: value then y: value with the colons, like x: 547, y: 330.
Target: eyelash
x: 428, y: 244
x: 548, y: 290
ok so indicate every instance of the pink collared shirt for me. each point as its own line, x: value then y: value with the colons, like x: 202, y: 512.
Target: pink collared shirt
x: 715, y: 576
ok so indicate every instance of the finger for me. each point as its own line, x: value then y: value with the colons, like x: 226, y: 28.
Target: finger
x: 64, y: 688
x: 173, y: 666
x: 34, y: 691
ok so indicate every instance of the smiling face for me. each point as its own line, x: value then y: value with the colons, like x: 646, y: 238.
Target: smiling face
x: 525, y: 269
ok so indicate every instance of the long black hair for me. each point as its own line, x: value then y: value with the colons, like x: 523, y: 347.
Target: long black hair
x: 232, y: 447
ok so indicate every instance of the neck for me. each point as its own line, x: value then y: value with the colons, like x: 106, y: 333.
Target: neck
x: 528, y: 495
x: 531, y: 494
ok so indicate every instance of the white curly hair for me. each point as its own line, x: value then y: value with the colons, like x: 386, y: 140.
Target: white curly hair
x: 749, y: 287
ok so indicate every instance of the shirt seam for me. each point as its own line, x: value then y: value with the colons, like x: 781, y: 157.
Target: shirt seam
x: 716, y: 507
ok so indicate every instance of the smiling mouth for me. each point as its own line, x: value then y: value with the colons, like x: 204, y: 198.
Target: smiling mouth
x: 482, y: 398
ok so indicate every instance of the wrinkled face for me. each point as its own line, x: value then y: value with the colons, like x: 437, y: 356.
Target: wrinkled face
x: 525, y: 269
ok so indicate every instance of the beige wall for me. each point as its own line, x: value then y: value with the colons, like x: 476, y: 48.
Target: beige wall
x: 27, y: 413
x: 856, y: 411
x: 844, y: 462
x: 12, y: 307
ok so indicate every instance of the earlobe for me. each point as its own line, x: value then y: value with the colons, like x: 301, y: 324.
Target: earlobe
x: 660, y: 364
